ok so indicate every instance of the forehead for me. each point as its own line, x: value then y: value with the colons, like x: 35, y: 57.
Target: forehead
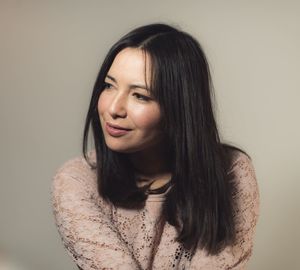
x: 131, y: 64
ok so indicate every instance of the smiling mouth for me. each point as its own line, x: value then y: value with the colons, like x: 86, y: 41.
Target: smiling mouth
x: 116, y: 126
x: 114, y: 131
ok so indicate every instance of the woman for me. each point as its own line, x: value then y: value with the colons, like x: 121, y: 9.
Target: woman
x: 159, y: 191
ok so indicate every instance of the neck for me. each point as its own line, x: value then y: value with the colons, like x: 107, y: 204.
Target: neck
x: 150, y: 162
x: 151, y: 165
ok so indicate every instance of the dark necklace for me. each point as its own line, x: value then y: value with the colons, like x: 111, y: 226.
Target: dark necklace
x: 159, y: 190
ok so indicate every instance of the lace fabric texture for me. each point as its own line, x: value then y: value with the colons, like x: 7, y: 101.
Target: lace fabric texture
x: 98, y: 235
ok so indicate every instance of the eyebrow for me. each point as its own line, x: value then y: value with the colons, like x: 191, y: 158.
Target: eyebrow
x: 131, y: 86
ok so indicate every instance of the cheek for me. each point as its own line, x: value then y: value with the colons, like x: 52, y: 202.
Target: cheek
x: 102, y: 103
x: 146, y: 117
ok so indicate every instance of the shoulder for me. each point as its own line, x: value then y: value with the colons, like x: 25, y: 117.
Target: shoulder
x: 77, y: 165
x: 243, y: 170
x: 76, y: 171
x: 245, y: 189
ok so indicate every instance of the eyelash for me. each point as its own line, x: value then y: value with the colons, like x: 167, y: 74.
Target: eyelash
x: 107, y: 85
x: 138, y: 96
x: 141, y: 97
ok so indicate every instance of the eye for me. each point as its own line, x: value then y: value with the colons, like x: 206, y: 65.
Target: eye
x: 107, y: 85
x: 141, y: 97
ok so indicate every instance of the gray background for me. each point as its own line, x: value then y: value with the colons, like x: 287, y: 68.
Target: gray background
x: 50, y: 52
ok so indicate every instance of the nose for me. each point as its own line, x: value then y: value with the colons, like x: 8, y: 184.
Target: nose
x: 117, y: 107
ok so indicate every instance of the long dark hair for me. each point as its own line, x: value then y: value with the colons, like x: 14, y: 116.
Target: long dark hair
x: 200, y: 202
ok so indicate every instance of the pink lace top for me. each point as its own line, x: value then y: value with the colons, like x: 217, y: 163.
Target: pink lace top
x: 98, y: 235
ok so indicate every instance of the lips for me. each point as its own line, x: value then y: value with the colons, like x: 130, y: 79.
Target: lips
x: 117, y: 126
x: 115, y: 130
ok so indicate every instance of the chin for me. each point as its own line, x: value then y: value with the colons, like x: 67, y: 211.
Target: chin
x: 126, y: 148
x: 121, y: 149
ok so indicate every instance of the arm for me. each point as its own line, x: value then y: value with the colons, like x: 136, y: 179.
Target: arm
x: 246, y: 211
x: 83, y: 221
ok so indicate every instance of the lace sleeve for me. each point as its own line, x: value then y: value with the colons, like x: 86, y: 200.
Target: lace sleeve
x: 84, y: 223
x: 246, y: 212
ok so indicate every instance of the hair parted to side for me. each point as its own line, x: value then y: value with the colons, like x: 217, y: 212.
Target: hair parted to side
x: 200, y: 203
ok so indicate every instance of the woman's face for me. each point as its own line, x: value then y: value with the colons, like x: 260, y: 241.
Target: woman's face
x: 126, y: 102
